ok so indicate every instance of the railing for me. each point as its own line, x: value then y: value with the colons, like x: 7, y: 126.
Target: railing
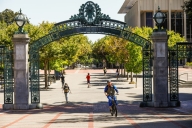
x: 184, y: 74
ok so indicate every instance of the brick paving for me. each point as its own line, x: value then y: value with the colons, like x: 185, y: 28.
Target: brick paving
x: 88, y: 106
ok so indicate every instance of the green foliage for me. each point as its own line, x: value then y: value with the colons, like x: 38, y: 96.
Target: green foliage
x: 189, y: 63
x: 134, y: 63
x: 6, y: 34
x: 7, y: 16
x: 174, y: 38
x: 75, y: 49
x: 187, y: 7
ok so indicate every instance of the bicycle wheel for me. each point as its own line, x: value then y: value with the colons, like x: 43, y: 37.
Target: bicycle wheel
x: 115, y: 110
x: 112, y: 111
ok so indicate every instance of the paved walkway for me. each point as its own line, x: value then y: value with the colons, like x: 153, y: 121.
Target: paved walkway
x: 88, y: 106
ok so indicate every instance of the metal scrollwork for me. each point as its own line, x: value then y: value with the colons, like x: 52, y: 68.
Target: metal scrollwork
x: 6, y: 75
x: 89, y: 14
x: 180, y: 50
x: 90, y: 20
x: 147, y: 72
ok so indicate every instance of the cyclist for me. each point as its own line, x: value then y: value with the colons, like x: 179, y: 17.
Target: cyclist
x: 109, y: 91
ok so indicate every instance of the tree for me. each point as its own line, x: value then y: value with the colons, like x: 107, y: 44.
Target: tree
x: 187, y: 7
x: 174, y: 38
x: 134, y: 64
x: 7, y: 16
x: 99, y: 49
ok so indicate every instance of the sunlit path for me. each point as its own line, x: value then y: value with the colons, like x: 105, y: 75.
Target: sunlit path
x: 88, y: 108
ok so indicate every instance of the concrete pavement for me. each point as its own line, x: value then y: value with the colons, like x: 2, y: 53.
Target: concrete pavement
x: 88, y: 108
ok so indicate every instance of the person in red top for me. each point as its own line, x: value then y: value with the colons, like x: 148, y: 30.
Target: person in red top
x: 88, y: 80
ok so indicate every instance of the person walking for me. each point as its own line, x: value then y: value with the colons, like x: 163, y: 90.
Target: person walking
x: 105, y: 70
x: 88, y: 80
x: 66, y: 90
x: 62, y: 80
x: 117, y: 73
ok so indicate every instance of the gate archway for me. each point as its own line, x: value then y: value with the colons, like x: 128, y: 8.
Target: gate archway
x: 90, y: 20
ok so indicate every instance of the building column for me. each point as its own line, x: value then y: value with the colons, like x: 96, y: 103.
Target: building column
x: 160, y: 69
x: 185, y: 25
x: 169, y: 14
x: 21, y: 73
x: 139, y: 14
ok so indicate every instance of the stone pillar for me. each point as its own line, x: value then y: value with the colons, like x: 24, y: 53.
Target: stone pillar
x: 160, y: 69
x: 21, y: 73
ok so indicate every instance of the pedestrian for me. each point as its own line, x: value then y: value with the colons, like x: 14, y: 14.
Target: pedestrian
x: 117, y: 73
x: 66, y: 90
x: 62, y: 80
x: 88, y: 80
x: 105, y: 70
x: 53, y: 79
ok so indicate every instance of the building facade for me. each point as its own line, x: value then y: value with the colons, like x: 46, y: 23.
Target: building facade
x: 140, y: 13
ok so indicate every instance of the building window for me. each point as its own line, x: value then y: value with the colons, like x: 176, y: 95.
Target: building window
x: 165, y: 23
x: 149, y: 19
x: 177, y: 22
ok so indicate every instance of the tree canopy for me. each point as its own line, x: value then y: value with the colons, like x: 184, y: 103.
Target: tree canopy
x: 187, y: 7
x: 72, y: 50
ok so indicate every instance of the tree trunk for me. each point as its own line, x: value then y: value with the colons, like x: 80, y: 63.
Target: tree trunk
x: 132, y: 82
x: 121, y: 69
x: 124, y: 70
x: 131, y: 76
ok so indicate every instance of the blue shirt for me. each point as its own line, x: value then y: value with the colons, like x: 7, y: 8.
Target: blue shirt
x: 113, y: 87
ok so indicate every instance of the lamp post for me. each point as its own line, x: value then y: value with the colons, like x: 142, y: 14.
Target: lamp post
x: 20, y: 21
x: 20, y: 57
x: 159, y: 18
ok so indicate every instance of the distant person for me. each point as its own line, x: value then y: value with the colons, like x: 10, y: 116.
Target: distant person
x: 66, y: 90
x: 62, y: 80
x: 105, y: 70
x: 88, y: 80
x: 117, y: 73
x: 53, y: 79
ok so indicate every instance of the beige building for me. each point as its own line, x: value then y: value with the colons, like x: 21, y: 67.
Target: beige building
x: 140, y: 13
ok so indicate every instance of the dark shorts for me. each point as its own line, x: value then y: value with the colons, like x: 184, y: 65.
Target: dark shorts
x: 88, y: 81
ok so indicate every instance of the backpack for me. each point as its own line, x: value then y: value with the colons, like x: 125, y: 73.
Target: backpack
x: 66, y: 89
x: 113, y: 91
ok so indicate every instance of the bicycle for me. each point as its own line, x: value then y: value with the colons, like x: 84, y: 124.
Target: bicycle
x: 114, y: 107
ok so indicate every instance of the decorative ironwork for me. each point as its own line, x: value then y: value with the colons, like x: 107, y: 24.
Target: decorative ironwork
x: 89, y: 14
x: 6, y: 73
x: 97, y: 24
x: 147, y: 72
x: 2, y: 67
x: 180, y: 50
x: 34, y: 76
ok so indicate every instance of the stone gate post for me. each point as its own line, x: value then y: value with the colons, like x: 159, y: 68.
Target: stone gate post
x: 21, y: 73
x: 160, y: 69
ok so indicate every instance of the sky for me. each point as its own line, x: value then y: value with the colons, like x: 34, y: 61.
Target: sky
x: 60, y: 10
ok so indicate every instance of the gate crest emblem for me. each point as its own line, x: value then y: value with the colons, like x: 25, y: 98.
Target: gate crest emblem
x: 89, y: 14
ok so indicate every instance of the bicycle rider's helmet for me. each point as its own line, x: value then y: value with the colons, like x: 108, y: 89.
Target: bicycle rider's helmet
x: 108, y: 81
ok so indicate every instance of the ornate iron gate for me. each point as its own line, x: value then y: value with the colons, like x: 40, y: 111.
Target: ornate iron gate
x: 180, y: 50
x: 89, y: 22
x: 6, y: 72
x: 147, y: 72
